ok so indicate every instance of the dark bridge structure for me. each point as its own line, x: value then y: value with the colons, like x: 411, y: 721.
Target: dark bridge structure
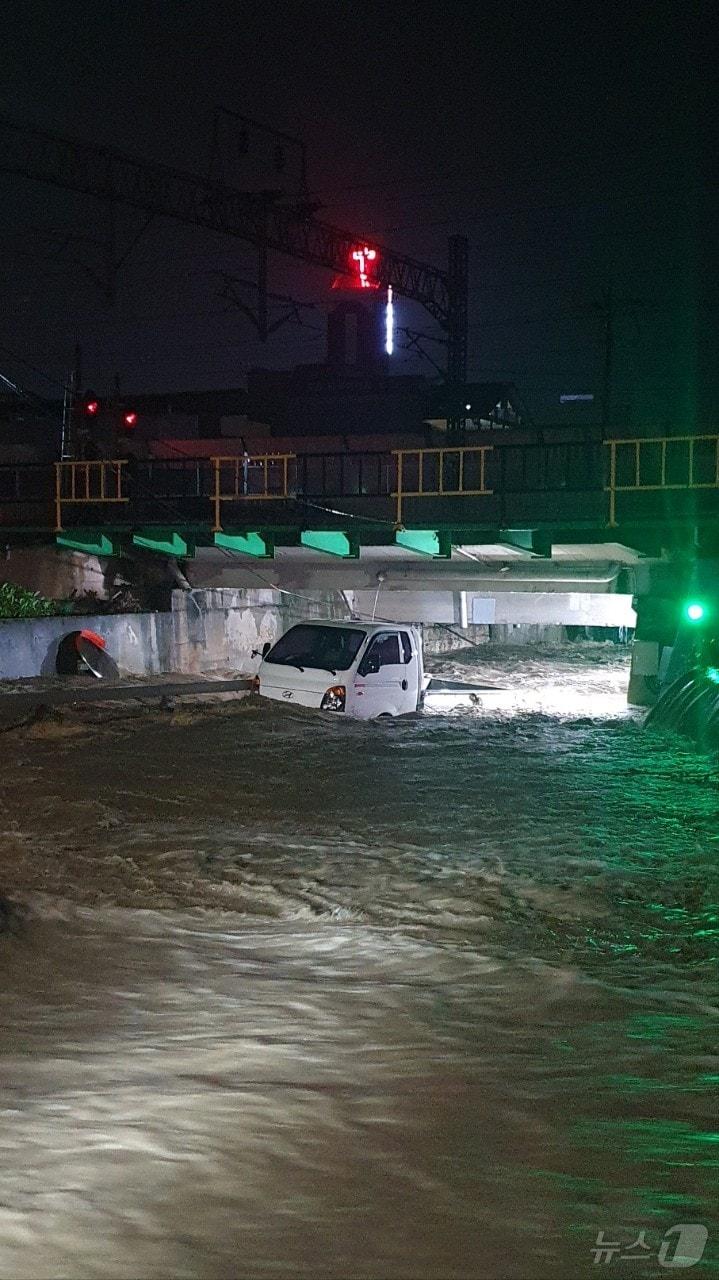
x: 648, y: 502
x: 650, y: 494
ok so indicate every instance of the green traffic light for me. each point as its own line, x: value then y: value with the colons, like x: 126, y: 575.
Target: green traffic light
x: 695, y: 611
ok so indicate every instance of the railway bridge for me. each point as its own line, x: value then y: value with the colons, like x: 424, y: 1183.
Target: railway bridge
x: 632, y: 516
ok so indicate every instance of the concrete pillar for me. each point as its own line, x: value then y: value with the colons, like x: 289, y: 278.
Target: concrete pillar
x: 666, y: 643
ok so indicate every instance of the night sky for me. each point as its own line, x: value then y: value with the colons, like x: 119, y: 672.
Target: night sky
x: 569, y: 144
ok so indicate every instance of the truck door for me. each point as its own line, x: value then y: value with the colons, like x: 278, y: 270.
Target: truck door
x: 381, y: 678
x: 410, y: 658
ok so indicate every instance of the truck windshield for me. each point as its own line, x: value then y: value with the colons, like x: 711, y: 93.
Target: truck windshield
x: 326, y: 648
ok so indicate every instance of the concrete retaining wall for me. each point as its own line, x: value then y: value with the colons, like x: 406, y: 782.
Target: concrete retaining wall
x: 140, y: 643
x: 213, y: 630
x: 190, y: 639
x: 218, y: 629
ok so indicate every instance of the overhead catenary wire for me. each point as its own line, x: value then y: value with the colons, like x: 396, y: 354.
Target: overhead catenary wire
x: 35, y: 402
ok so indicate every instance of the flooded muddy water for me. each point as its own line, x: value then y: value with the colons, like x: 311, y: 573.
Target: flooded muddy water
x: 294, y: 996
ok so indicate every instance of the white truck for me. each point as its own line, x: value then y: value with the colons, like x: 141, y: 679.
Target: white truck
x: 361, y: 669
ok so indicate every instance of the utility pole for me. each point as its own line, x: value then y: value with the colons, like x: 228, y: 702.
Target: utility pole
x: 67, y: 398
x: 71, y: 398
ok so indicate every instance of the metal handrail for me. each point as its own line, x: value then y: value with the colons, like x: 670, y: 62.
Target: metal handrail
x: 451, y: 471
x: 637, y: 485
x: 440, y: 490
x: 239, y: 465
x: 82, y: 488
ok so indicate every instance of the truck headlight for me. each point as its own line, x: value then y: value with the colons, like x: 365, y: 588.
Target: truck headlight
x: 334, y: 699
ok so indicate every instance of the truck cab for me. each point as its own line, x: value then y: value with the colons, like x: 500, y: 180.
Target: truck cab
x: 358, y: 669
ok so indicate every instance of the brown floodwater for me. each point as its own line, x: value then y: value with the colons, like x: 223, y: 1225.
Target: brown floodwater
x: 300, y: 997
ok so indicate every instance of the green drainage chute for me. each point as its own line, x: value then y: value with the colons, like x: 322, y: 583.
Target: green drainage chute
x: 332, y: 541
x: 248, y: 544
x: 169, y: 542
x: 91, y: 541
x: 426, y: 542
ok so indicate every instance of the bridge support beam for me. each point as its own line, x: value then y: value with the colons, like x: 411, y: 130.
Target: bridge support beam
x: 168, y: 542
x: 657, y: 620
x: 426, y: 542
x: 332, y: 541
x: 248, y: 544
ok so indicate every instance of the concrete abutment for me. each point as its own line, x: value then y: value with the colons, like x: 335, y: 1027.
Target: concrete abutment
x: 667, y: 641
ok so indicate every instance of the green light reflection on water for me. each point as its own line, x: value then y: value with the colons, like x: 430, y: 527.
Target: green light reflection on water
x: 658, y: 1027
x: 640, y: 1085
x: 670, y: 1142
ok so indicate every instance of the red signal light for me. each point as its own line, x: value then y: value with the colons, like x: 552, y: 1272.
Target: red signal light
x: 130, y: 418
x: 92, y: 407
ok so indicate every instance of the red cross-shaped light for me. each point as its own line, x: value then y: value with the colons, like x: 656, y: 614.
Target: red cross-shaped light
x: 362, y: 257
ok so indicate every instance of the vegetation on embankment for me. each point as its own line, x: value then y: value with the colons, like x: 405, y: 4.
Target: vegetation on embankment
x: 18, y: 602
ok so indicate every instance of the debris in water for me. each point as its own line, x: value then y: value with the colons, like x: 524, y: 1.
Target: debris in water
x: 11, y: 917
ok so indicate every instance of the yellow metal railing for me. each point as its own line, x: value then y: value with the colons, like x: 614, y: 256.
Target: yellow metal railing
x: 82, y: 482
x: 447, y: 476
x: 261, y: 477
x: 641, y: 453
x: 635, y: 465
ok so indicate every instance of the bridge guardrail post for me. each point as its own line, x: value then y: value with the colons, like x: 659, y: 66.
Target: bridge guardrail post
x: 612, y: 484
x: 399, y: 454
x: 217, y: 527
x: 58, y: 497
x: 89, y: 493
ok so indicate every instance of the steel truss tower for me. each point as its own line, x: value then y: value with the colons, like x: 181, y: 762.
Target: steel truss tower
x: 160, y: 191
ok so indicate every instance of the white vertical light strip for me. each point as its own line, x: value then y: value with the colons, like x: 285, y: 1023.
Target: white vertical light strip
x: 389, y: 323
